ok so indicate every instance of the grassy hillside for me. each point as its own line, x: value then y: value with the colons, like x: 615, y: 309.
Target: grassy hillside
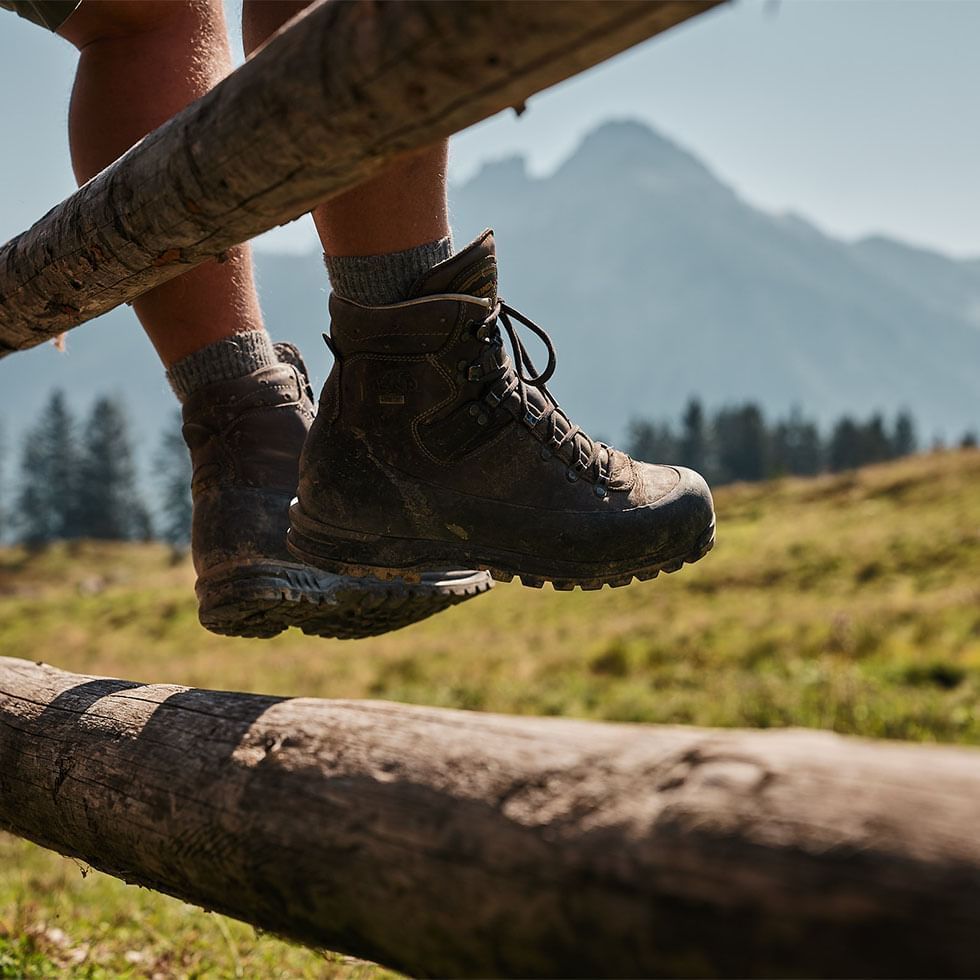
x: 849, y: 602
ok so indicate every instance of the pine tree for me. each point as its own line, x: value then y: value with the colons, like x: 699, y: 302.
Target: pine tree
x: 795, y: 446
x: 109, y: 503
x: 46, y: 504
x: 693, y: 447
x: 904, y: 440
x: 854, y: 444
x: 172, y: 466
x: 845, y: 450
x: 34, y: 521
x: 876, y: 445
x: 742, y: 443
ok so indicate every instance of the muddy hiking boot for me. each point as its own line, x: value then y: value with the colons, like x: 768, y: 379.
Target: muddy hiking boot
x: 245, y: 438
x: 433, y: 447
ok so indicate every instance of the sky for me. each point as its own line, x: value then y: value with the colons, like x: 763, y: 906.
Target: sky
x: 861, y: 115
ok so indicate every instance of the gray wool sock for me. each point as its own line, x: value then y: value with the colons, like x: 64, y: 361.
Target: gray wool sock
x: 376, y: 280
x: 223, y: 360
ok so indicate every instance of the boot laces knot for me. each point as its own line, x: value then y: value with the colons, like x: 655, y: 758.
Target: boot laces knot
x: 516, y: 375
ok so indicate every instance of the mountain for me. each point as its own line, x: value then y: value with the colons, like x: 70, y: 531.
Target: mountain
x: 656, y: 281
x: 951, y: 287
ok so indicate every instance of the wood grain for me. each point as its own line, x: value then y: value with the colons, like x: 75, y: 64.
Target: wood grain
x: 340, y: 91
x: 448, y: 843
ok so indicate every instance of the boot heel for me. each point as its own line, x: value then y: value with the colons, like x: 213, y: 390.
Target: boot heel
x: 384, y: 558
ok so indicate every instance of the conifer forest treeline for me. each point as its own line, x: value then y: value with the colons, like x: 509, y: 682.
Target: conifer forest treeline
x: 738, y: 443
x: 76, y: 477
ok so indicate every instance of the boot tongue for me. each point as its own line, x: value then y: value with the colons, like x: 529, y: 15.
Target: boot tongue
x: 471, y: 272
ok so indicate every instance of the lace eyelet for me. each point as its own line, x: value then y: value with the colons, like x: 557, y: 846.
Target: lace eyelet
x: 474, y: 409
x: 517, y: 376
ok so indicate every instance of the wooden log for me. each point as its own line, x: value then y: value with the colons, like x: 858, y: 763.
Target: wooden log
x: 328, y: 101
x: 449, y: 843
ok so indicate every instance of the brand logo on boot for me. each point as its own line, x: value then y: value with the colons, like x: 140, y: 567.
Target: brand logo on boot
x: 393, y: 386
x: 479, y: 280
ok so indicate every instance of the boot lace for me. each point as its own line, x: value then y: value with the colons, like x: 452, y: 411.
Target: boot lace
x: 589, y: 458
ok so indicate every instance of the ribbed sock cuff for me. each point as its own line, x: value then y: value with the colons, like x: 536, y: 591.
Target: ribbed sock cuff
x: 224, y: 360
x: 376, y: 280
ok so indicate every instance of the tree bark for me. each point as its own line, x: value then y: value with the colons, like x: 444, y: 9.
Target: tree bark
x: 322, y: 107
x: 449, y: 843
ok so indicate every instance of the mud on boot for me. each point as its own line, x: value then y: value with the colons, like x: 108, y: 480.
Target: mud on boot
x: 245, y: 438
x: 433, y: 448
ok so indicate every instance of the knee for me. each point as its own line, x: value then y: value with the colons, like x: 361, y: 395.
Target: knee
x: 102, y: 20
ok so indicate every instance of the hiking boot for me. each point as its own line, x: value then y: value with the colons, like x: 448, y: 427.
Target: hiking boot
x: 432, y: 447
x: 245, y: 438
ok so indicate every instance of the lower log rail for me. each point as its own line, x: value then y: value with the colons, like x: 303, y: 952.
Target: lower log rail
x: 459, y: 844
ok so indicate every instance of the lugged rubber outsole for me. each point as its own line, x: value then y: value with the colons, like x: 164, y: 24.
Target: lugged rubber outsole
x: 304, y: 548
x: 263, y: 600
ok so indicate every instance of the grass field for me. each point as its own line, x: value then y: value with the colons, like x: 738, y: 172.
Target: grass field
x: 849, y: 602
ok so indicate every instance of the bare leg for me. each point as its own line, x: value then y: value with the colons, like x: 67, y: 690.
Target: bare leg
x: 402, y: 208
x: 140, y: 63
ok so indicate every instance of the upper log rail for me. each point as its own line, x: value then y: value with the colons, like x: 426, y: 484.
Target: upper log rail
x: 450, y: 843
x: 336, y: 94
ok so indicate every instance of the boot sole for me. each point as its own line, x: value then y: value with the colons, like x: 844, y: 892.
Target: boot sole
x: 263, y: 599
x: 311, y: 542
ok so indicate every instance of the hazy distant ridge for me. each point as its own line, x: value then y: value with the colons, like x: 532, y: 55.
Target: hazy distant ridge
x: 695, y: 291
x: 657, y: 282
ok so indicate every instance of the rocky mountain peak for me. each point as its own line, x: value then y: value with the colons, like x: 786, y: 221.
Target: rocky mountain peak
x: 628, y: 146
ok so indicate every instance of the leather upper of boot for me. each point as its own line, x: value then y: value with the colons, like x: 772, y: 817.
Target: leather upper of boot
x: 426, y: 403
x: 245, y: 438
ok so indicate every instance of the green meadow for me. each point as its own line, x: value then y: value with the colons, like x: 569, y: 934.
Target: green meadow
x: 847, y: 602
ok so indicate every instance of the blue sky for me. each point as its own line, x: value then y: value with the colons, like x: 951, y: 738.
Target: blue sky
x: 862, y: 115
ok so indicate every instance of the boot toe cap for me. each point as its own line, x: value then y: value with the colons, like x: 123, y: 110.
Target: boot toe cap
x: 677, y: 502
